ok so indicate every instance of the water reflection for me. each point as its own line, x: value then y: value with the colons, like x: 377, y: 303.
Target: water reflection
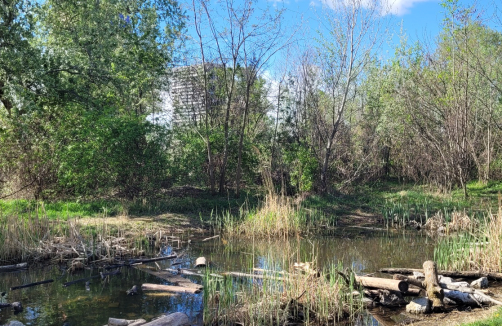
x: 53, y: 304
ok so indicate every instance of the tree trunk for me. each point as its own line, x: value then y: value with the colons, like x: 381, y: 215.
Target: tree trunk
x: 382, y: 283
x: 241, y: 140
x: 434, y: 291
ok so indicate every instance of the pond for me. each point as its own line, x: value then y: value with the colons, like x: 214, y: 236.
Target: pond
x: 362, y: 250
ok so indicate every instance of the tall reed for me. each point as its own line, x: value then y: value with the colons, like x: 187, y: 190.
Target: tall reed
x: 481, y: 249
x: 312, y: 298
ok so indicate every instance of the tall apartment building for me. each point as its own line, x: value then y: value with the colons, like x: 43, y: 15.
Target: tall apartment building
x: 187, y: 94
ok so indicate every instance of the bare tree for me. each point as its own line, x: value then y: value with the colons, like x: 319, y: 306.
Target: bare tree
x: 353, y: 29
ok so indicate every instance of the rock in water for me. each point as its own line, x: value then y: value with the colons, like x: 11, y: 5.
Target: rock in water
x: 419, y: 306
x: 480, y: 283
x: 133, y: 290
x: 17, y: 306
x: 14, y: 323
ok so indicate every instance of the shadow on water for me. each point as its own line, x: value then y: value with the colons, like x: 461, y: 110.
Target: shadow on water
x: 363, y: 251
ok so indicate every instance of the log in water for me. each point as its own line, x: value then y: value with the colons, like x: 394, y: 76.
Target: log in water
x: 382, y: 283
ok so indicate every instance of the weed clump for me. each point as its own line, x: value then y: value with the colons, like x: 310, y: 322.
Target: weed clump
x: 319, y: 298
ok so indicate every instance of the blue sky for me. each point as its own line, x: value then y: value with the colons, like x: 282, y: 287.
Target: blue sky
x: 421, y: 20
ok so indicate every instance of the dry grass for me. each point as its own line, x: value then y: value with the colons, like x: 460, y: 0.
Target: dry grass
x: 277, y: 216
x: 487, y: 252
x: 320, y: 298
x: 100, y: 239
x: 478, y: 249
x: 460, y: 221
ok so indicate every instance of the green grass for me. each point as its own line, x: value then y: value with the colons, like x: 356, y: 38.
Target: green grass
x: 403, y: 202
x: 391, y: 200
x: 203, y: 203
x: 495, y: 320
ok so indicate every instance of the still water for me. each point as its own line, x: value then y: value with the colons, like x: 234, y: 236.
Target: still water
x: 362, y: 250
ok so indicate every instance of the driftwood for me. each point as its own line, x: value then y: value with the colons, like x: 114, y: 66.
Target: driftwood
x: 174, y: 279
x: 382, y: 283
x: 9, y: 268
x: 409, y: 280
x: 456, y: 292
x: 190, y: 272
x: 168, y: 288
x: 175, y: 319
x: 434, y: 291
x: 30, y: 285
x: 255, y: 276
x: 149, y: 260
x: 414, y: 291
x: 200, y: 262
x: 162, y: 294
x: 125, y: 322
x: 210, y: 238
x: 455, y: 274
x: 475, y: 298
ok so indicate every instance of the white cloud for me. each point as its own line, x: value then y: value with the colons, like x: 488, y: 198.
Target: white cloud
x: 402, y: 7
x: 394, y: 7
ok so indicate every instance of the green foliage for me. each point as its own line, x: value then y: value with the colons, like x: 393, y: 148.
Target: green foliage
x: 494, y: 320
x: 75, y: 101
x: 303, y: 166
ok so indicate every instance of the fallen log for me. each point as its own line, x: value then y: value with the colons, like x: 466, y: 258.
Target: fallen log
x: 255, y: 276
x: 174, y: 279
x: 30, y: 285
x: 454, y: 274
x: 434, y: 292
x: 161, y: 294
x: 382, y: 283
x: 465, y: 298
x: 414, y: 291
x: 4, y: 305
x: 10, y: 268
x: 149, y: 260
x: 190, y: 272
x: 409, y: 280
x: 168, y: 288
x: 125, y: 322
x: 175, y: 319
